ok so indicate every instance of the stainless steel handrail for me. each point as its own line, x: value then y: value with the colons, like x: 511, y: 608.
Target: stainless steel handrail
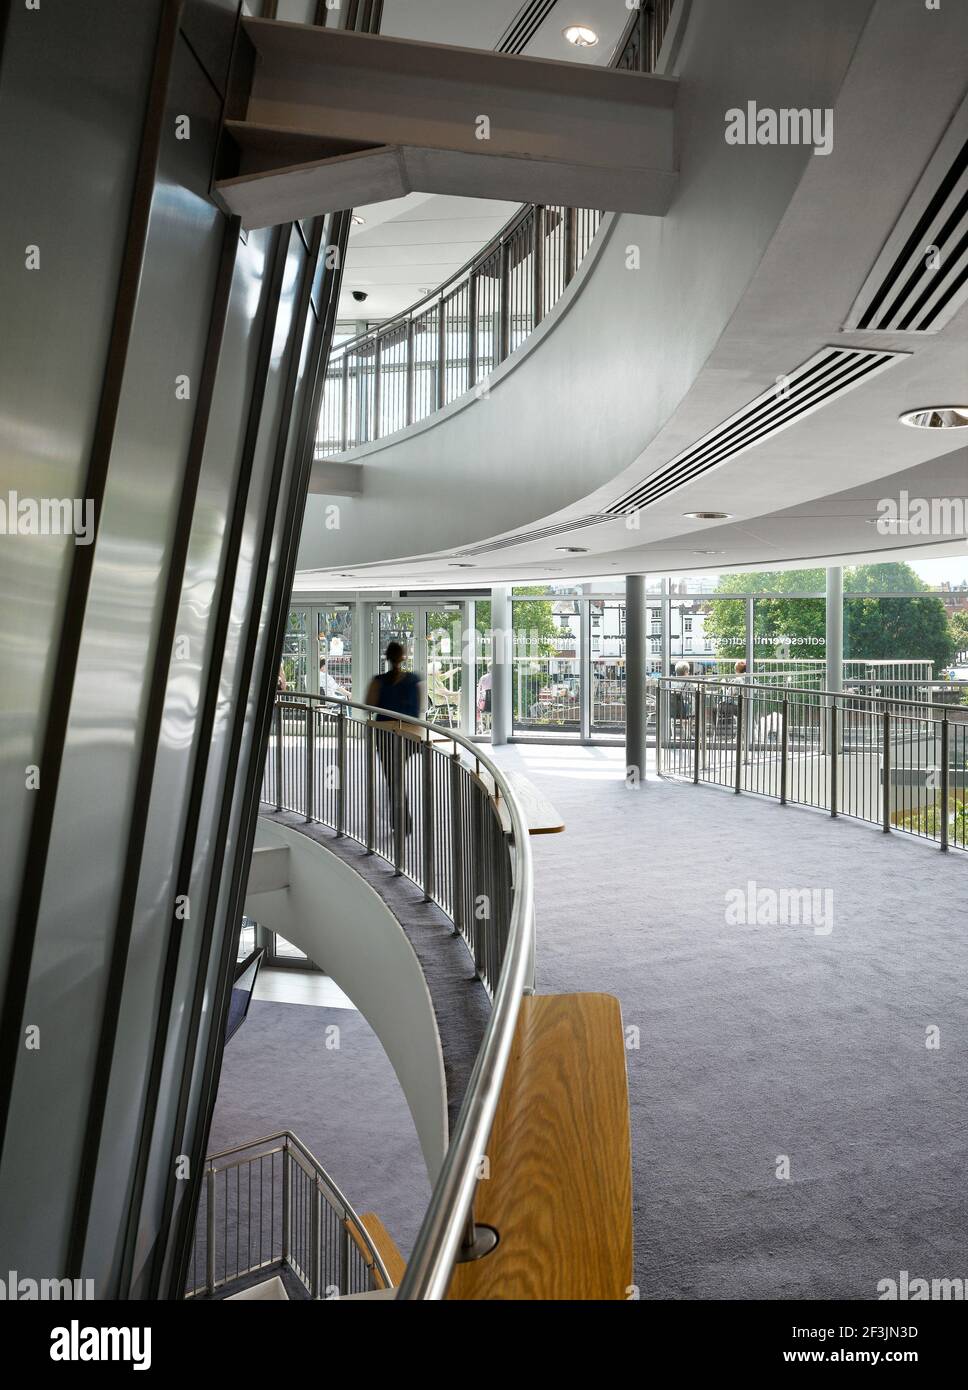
x: 736, y: 683
x: 436, y: 1248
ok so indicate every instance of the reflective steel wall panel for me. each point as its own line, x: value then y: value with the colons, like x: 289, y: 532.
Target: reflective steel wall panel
x: 180, y: 363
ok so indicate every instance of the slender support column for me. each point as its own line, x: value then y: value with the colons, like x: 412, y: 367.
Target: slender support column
x: 750, y: 651
x: 501, y: 653
x: 585, y: 691
x: 835, y: 629
x: 834, y: 676
x: 636, y: 615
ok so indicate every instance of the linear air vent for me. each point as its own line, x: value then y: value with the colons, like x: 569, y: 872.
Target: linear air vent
x: 829, y: 374
x: 540, y: 534
x: 525, y: 25
x: 920, y: 279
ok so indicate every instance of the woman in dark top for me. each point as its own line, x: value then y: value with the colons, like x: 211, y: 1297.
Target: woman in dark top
x: 398, y: 692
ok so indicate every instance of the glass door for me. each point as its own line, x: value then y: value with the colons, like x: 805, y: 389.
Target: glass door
x: 606, y: 657
x: 442, y: 633
x: 295, y: 652
x: 334, y: 634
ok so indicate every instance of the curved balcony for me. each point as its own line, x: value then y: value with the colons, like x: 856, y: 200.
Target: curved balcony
x: 449, y: 343
x: 435, y: 811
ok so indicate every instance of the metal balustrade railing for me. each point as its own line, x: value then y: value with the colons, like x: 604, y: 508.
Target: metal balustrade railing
x: 449, y: 342
x: 432, y: 805
x: 270, y: 1204
x: 895, y: 762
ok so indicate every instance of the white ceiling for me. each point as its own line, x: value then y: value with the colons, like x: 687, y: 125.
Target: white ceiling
x: 408, y: 246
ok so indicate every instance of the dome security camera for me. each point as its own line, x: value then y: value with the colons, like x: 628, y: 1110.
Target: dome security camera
x: 360, y: 296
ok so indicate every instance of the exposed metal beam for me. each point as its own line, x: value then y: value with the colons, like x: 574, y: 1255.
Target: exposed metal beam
x: 337, y: 119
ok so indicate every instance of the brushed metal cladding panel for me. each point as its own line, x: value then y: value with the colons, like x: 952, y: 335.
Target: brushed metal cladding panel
x: 209, y: 26
x: 236, y: 703
x: 88, y: 837
x: 52, y: 361
x: 178, y: 752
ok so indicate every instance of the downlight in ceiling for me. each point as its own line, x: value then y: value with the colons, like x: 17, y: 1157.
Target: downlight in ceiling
x: 920, y: 279
x: 581, y: 35
x: 829, y: 374
x: 707, y: 516
x: 937, y: 417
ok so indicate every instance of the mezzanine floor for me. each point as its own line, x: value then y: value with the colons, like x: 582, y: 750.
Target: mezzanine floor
x: 771, y: 1042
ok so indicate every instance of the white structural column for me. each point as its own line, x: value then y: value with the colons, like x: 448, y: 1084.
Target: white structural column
x: 502, y: 647
x: 835, y: 628
x: 636, y: 642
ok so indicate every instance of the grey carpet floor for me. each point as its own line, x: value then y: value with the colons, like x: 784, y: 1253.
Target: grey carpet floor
x: 763, y: 1042
x: 756, y: 1043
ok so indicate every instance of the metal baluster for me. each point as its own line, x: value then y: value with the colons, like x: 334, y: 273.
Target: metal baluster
x: 834, y: 785
x: 784, y: 748
x: 341, y: 770
x: 441, y: 354
x: 504, y: 305
x: 886, y: 774
x: 314, y: 1237
x: 370, y: 775
x: 472, y: 330
x: 571, y: 246
x: 210, y: 1232
x: 538, y: 263
x: 740, y: 721
x: 278, y: 756
x: 310, y: 788
x: 456, y: 842
x: 695, y: 734
x: 399, y: 803
x: 945, y: 781
x: 344, y: 1256
x: 427, y: 809
x: 286, y: 1205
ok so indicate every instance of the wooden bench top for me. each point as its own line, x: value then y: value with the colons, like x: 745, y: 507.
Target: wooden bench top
x: 541, y: 815
x: 560, y: 1186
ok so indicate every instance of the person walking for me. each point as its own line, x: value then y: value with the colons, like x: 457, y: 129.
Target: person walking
x: 397, y: 692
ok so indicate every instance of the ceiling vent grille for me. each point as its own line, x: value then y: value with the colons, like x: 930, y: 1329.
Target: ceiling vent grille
x: 525, y: 537
x: 920, y: 279
x: 829, y: 374
x: 525, y: 25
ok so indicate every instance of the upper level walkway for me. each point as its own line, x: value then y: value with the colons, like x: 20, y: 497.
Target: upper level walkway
x: 804, y: 1042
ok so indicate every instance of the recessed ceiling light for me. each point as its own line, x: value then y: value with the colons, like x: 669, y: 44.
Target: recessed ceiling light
x: 937, y: 417
x: 572, y: 549
x: 357, y: 220
x: 708, y: 516
x: 709, y: 552
x: 459, y: 565
x: 581, y: 35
